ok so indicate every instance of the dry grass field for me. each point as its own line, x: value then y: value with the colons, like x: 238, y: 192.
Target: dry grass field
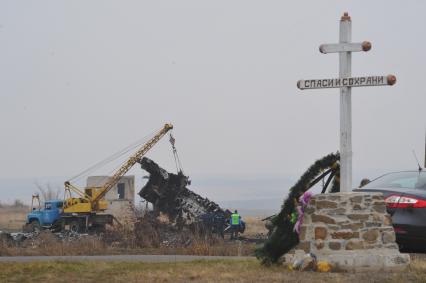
x: 198, y: 271
x: 46, y: 243
x: 12, y: 218
x: 255, y: 227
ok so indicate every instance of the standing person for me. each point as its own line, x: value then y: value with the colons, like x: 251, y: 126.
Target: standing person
x: 235, y: 224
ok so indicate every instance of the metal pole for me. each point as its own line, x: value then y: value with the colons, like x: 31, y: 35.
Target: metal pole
x: 345, y: 108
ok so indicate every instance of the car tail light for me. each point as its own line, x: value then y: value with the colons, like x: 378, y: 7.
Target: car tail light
x: 398, y: 201
x: 399, y: 230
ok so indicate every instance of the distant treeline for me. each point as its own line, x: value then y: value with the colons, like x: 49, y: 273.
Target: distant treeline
x: 16, y: 204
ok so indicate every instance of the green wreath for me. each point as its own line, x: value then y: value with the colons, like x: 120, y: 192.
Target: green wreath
x: 282, y: 237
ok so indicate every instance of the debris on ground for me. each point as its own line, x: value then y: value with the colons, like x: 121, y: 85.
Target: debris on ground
x: 307, y: 263
x: 150, y: 231
x: 21, y: 237
x: 5, y: 238
x: 169, y: 194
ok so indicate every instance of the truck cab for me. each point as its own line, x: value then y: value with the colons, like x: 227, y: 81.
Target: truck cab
x: 44, y: 217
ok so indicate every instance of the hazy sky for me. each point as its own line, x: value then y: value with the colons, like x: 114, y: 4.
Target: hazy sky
x: 80, y: 80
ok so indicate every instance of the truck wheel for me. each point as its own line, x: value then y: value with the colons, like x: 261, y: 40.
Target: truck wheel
x: 75, y: 226
x: 56, y: 226
x: 35, y: 226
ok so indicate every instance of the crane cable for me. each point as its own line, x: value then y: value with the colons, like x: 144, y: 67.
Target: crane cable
x: 112, y: 157
x: 178, y: 164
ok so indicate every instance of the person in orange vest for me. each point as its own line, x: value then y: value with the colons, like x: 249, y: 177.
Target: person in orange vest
x: 235, y: 224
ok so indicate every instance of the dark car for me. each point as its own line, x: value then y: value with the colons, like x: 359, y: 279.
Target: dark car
x: 405, y: 197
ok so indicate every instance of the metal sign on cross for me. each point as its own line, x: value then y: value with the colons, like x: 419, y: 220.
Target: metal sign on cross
x: 345, y: 82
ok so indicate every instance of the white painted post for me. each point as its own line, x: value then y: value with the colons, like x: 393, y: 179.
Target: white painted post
x: 345, y: 83
x: 345, y: 60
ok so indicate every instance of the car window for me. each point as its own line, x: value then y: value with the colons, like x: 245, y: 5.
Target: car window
x: 406, y: 180
x: 421, y: 182
x: 48, y: 206
x: 59, y: 205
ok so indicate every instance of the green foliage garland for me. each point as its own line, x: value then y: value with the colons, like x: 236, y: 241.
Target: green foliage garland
x: 283, y: 238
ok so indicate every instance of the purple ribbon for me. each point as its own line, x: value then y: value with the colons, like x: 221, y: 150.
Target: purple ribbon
x: 303, y: 202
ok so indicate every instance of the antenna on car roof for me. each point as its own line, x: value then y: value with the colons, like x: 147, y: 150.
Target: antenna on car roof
x: 418, y: 163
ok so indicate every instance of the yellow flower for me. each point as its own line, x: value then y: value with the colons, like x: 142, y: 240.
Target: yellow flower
x: 323, y: 266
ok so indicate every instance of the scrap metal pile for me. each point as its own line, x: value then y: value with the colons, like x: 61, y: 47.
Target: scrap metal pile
x: 33, y: 238
x: 169, y: 195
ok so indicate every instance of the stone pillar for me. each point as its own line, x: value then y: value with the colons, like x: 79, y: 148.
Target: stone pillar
x: 352, y: 231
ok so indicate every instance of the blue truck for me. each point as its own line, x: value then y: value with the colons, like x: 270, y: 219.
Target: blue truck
x: 52, y: 216
x: 47, y: 217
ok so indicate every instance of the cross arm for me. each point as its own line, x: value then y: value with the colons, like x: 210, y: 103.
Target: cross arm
x: 345, y: 47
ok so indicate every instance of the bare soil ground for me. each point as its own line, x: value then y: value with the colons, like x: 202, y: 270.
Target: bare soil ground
x: 198, y: 271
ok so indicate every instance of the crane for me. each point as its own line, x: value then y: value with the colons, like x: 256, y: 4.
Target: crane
x: 84, y: 211
x: 91, y: 200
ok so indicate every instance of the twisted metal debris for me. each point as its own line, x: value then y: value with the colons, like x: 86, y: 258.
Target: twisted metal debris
x: 168, y: 194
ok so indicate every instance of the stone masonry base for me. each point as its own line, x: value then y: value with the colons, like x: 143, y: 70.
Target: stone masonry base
x: 352, y: 231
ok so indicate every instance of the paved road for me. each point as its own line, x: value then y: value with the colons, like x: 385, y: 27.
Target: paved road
x: 141, y: 258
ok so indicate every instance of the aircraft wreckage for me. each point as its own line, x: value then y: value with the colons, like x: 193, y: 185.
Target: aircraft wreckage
x: 169, y: 194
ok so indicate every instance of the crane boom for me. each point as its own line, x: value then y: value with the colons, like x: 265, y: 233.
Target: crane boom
x: 91, y: 199
x: 131, y: 161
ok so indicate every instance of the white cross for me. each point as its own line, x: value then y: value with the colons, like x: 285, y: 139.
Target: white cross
x: 345, y: 82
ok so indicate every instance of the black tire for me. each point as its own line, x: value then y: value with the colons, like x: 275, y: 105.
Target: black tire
x: 56, y: 226
x: 35, y: 226
x: 75, y: 226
